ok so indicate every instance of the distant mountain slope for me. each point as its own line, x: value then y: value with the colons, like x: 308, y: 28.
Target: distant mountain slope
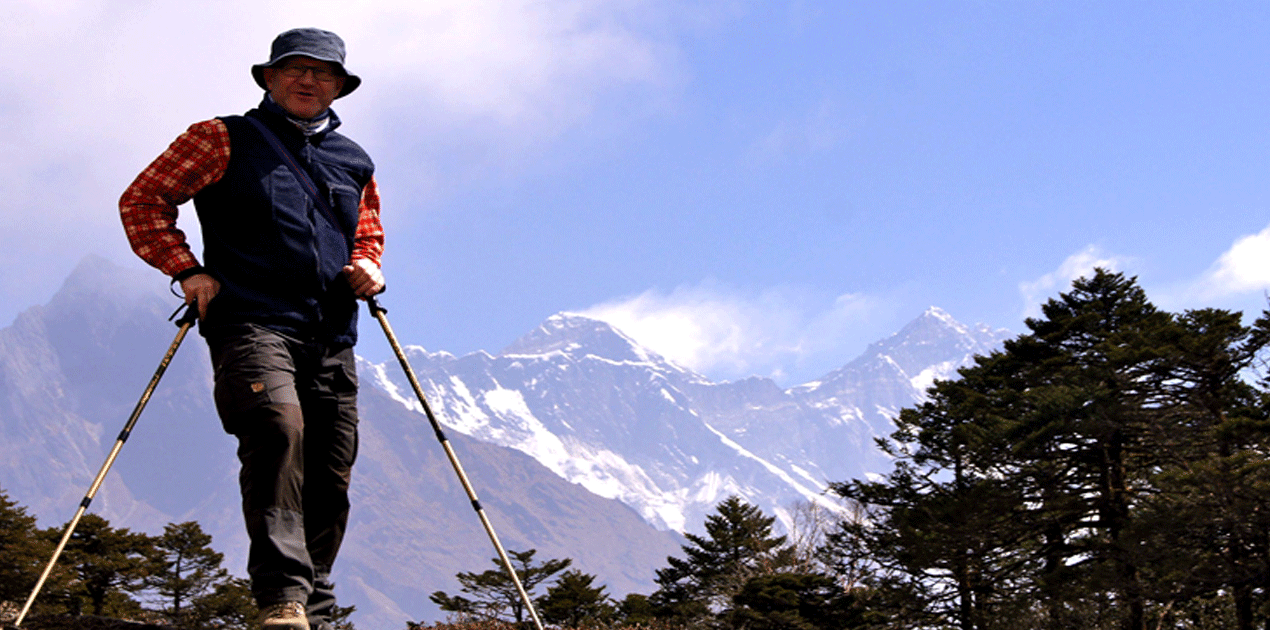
x: 596, y: 408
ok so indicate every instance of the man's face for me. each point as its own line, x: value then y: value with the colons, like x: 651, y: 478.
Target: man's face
x: 303, y: 86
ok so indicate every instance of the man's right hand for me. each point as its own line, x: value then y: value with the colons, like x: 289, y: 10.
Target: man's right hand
x: 202, y: 288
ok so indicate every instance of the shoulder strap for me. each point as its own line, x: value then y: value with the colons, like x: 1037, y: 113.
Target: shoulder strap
x: 306, y: 182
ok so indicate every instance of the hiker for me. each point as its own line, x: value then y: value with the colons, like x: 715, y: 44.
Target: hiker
x: 291, y: 239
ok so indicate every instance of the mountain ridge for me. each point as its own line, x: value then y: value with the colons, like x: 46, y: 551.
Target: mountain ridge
x: 764, y: 435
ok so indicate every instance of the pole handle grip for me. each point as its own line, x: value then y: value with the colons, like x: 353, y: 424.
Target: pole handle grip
x: 190, y: 316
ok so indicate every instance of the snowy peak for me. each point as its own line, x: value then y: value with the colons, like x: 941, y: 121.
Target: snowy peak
x: 896, y: 372
x: 578, y: 336
x: 933, y: 339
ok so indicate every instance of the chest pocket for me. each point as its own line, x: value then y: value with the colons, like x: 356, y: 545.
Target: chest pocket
x: 345, y: 201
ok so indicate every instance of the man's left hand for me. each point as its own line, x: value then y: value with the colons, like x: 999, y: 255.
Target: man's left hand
x: 365, y: 278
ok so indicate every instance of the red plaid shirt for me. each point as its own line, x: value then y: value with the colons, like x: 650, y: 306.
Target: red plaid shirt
x: 196, y: 159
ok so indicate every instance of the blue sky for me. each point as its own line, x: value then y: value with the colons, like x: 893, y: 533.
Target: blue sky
x: 748, y: 187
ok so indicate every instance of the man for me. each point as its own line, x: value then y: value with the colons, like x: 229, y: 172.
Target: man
x: 288, y: 249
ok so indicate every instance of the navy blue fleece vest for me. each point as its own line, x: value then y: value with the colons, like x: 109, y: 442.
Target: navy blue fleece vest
x: 279, y: 257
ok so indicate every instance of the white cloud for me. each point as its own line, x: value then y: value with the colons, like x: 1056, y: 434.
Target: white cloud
x: 726, y: 334
x: 1077, y: 265
x: 1244, y: 268
x: 512, y: 63
x: 98, y: 78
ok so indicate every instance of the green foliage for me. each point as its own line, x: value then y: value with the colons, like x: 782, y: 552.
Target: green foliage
x: 22, y: 550
x: 109, y: 572
x: 1106, y: 470
x: 742, y: 575
x: 464, y: 624
x: 494, y: 624
x: 738, y: 545
x: 107, y: 564
x: 228, y: 605
x: 795, y: 601
x: 493, y: 594
x: 635, y: 610
x: 739, y: 575
x: 340, y: 617
x: 573, y: 603
x: 190, y: 571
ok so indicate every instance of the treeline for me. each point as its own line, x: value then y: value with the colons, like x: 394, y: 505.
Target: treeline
x: 1107, y: 470
x: 175, y: 578
x: 740, y: 574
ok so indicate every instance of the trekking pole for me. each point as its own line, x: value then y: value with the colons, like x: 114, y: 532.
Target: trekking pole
x: 379, y: 313
x: 191, y: 316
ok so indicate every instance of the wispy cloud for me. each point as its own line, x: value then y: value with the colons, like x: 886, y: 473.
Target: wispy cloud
x: 819, y: 130
x: 728, y: 334
x: 1080, y: 264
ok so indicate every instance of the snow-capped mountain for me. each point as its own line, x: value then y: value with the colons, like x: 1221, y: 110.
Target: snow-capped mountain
x: 581, y: 443
x: 895, y: 372
x: 599, y: 410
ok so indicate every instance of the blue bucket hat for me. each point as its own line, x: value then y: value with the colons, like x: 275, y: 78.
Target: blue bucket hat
x: 308, y: 42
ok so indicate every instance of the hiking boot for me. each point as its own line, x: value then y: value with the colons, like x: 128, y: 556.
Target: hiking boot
x: 284, y: 616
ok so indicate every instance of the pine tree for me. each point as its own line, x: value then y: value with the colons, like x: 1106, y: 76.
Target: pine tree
x: 937, y: 535
x: 572, y: 602
x: 190, y: 569
x: 229, y: 606
x: 738, y: 545
x: 493, y: 594
x: 635, y: 610
x: 795, y: 601
x: 108, y: 564
x: 340, y: 618
x: 1204, y: 529
x: 1106, y: 468
x: 21, y: 551
x: 1102, y: 355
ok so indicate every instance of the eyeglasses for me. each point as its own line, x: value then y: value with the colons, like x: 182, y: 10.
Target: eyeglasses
x: 296, y: 71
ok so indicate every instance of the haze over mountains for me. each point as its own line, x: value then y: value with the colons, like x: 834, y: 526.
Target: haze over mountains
x: 580, y: 443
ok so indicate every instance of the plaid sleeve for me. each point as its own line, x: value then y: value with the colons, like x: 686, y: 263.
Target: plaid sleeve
x: 368, y: 242
x: 148, y: 208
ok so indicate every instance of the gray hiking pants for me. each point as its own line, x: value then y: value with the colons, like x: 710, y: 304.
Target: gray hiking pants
x: 293, y: 407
